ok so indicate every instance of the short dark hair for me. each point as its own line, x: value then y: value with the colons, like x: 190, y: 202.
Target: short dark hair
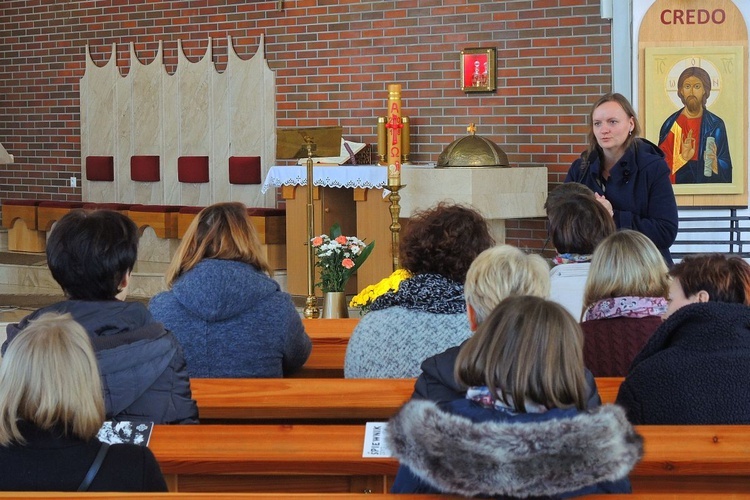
x: 444, y: 240
x: 578, y: 224
x: 90, y: 252
x: 565, y: 192
x: 726, y: 279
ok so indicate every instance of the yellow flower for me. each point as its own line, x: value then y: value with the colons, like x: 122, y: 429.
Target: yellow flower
x: 390, y: 284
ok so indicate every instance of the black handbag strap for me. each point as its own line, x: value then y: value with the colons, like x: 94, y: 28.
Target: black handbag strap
x: 91, y: 474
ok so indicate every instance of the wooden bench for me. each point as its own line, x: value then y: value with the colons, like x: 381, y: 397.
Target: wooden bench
x: 328, y: 458
x: 54, y: 495
x: 20, y: 219
x: 297, y: 400
x: 330, y: 338
x: 49, y: 212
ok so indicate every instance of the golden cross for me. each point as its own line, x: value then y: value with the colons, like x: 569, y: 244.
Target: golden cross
x: 471, y: 128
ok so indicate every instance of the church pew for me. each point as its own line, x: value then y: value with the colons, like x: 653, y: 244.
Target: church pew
x: 317, y: 458
x: 53, y: 495
x: 329, y: 338
x: 297, y: 400
x: 608, y: 387
x: 292, y: 400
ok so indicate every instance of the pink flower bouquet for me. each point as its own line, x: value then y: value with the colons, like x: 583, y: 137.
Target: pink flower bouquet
x: 338, y: 257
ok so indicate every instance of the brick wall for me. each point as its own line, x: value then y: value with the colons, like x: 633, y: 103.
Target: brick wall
x: 333, y: 59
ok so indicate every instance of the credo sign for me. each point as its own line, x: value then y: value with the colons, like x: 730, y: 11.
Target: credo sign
x: 693, y: 16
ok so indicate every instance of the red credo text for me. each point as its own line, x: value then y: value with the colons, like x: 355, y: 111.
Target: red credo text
x: 693, y: 16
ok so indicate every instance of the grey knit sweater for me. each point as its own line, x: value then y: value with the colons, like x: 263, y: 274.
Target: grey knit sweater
x: 393, y: 342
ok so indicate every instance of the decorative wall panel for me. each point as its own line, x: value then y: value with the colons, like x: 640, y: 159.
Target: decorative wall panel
x: 196, y: 111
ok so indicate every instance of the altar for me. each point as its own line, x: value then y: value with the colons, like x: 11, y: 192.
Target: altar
x: 354, y: 196
x: 351, y: 195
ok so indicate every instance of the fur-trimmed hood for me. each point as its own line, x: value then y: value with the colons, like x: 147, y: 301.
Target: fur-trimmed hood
x: 457, y: 455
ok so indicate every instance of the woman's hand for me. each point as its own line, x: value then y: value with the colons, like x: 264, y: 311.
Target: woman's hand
x: 605, y: 203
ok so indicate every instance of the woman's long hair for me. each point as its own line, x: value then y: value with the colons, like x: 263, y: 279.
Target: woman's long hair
x: 219, y: 231
x: 49, y: 378
x: 529, y: 349
x: 626, y: 263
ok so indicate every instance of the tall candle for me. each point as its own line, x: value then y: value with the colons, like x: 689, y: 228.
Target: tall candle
x: 394, y: 143
x: 382, y: 141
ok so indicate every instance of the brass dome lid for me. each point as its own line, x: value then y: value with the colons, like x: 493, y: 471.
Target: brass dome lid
x: 472, y: 151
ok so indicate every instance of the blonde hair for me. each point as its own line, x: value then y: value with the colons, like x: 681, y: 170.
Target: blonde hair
x: 219, y: 231
x: 500, y: 272
x: 626, y: 263
x: 529, y: 349
x: 49, y: 377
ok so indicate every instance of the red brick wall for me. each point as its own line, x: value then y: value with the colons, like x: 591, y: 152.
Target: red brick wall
x: 333, y: 59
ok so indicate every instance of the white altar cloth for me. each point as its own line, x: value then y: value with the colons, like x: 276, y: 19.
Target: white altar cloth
x: 338, y: 176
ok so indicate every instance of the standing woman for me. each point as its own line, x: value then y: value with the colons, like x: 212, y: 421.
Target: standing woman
x: 628, y: 173
x: 231, y: 318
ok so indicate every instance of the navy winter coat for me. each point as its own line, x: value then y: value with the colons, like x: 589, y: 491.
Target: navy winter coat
x: 693, y: 370
x: 141, y: 364
x: 639, y: 190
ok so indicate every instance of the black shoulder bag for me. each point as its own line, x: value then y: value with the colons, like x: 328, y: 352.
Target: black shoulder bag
x: 94, y: 469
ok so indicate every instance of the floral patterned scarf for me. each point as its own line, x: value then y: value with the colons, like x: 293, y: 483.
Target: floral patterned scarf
x: 571, y: 258
x: 482, y: 395
x: 425, y: 292
x: 626, y: 307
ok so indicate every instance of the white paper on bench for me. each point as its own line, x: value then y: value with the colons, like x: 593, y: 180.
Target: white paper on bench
x: 375, y: 445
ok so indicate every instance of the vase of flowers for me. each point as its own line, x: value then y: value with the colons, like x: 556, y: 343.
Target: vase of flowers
x: 337, y: 257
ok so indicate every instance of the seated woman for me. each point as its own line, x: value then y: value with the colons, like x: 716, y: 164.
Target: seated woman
x: 231, y: 318
x: 51, y: 408
x: 428, y: 313
x: 694, y: 368
x: 577, y: 223
x: 522, y: 430
x: 624, y: 299
x: 497, y: 273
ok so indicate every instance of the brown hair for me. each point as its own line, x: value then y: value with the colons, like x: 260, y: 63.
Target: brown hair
x: 627, y: 107
x: 219, y: 231
x: 626, y: 263
x: 702, y: 75
x: 529, y: 349
x: 565, y: 192
x: 578, y: 224
x: 444, y: 240
x: 726, y: 279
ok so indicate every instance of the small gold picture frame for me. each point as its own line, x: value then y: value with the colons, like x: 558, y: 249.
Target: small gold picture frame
x: 478, y: 70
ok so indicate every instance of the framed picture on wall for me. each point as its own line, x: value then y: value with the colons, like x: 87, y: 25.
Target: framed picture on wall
x: 478, y: 70
x: 695, y: 112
